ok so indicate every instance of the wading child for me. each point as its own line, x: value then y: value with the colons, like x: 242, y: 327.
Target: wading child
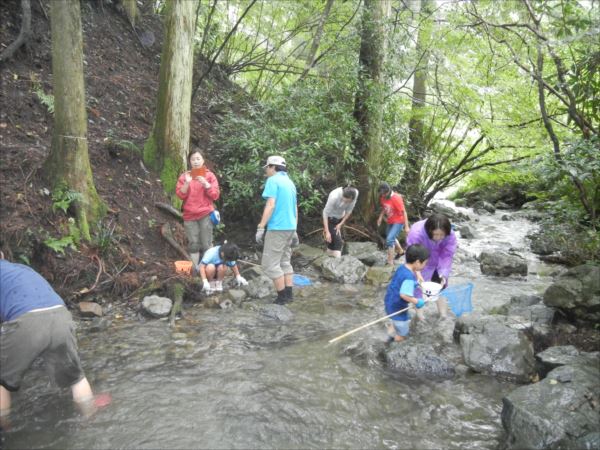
x: 214, y: 265
x: 401, y: 290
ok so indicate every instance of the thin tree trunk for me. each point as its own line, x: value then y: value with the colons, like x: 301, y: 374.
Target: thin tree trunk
x: 368, y: 107
x: 24, y: 33
x: 167, y: 148
x: 417, y: 145
x: 310, y: 61
x: 68, y: 164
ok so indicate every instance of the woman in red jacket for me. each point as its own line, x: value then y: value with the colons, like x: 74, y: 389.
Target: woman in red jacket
x: 198, y: 188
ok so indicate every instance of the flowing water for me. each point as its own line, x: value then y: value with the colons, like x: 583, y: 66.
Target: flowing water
x: 233, y: 379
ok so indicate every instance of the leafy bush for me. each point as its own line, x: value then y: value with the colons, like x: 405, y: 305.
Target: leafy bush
x: 310, y: 125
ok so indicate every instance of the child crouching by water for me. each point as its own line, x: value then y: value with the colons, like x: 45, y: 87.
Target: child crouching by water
x: 401, y: 290
x: 214, y: 264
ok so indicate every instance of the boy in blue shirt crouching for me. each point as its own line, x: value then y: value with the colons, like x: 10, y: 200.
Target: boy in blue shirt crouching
x: 214, y: 264
x: 401, y: 290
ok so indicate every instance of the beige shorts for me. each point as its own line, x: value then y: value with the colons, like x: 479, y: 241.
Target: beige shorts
x: 277, y: 253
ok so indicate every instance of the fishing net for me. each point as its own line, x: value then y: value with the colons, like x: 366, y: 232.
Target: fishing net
x: 459, y: 298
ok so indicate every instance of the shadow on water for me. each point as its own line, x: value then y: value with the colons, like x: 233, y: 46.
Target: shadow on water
x: 238, y: 379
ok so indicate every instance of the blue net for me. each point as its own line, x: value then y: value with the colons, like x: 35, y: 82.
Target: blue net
x: 459, y: 298
x: 301, y: 280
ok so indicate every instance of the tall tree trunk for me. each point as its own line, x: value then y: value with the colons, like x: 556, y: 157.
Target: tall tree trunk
x: 417, y: 145
x: 368, y: 106
x: 167, y: 147
x: 68, y: 164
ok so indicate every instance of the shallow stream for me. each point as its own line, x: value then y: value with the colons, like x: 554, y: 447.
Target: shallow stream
x: 227, y: 379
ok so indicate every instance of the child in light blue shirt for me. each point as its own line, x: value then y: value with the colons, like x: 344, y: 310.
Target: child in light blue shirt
x: 214, y: 264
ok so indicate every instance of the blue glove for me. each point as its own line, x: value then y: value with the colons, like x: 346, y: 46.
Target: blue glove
x: 420, y: 303
x: 260, y: 234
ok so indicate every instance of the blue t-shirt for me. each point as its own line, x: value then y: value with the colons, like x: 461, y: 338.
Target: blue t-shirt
x: 403, y: 282
x: 213, y: 256
x: 22, y: 289
x: 283, y: 190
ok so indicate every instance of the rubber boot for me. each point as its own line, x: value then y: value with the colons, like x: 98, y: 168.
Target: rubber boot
x: 281, y: 297
x: 289, y: 294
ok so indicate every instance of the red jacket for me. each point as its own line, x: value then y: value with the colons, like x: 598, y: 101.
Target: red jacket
x: 393, y: 208
x: 198, y: 201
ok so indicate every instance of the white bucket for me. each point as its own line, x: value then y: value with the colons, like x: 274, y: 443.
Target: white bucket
x: 431, y: 289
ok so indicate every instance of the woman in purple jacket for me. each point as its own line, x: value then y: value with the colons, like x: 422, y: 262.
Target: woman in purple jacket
x: 436, y: 234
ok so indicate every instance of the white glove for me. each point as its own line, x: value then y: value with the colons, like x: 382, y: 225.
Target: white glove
x: 206, y: 286
x: 241, y: 281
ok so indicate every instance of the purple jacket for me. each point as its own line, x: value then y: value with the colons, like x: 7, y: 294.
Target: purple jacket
x: 441, y: 253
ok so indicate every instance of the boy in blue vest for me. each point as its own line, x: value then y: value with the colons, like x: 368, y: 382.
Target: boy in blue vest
x: 401, y: 290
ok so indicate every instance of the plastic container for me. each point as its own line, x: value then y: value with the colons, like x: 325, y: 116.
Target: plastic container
x: 431, y: 289
x: 184, y: 267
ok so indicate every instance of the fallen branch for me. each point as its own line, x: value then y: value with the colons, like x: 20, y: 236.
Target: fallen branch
x: 24, y: 33
x: 169, y: 209
x: 165, y: 232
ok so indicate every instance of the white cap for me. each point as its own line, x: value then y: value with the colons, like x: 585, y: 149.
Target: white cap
x: 275, y: 161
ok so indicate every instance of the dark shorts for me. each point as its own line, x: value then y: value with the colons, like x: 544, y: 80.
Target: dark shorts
x: 336, y: 238
x: 48, y: 333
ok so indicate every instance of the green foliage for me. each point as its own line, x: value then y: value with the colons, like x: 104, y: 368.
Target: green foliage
x: 580, y: 161
x: 105, y: 237
x: 310, y: 125
x: 46, y: 99
x: 62, y: 198
x: 59, y: 245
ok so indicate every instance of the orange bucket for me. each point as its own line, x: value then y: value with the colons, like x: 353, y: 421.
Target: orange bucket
x: 183, y: 267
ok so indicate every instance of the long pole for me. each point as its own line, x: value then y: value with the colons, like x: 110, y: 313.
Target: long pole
x: 372, y: 323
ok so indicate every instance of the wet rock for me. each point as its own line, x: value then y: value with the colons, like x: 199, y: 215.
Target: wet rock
x: 259, y: 285
x: 565, y: 355
x: 561, y: 411
x: 346, y: 269
x: 482, y: 205
x: 543, y: 244
x: 99, y: 324
x: 90, y: 309
x: 577, y: 293
x: 417, y: 360
x: 276, y: 312
x: 366, y: 252
x: 157, y: 306
x: 237, y: 296
x: 305, y: 255
x: 449, y: 212
x: 507, y: 218
x: 530, y: 308
x: 502, y: 205
x: 501, y: 264
x: 492, y: 346
x: 379, y: 275
x: 465, y: 232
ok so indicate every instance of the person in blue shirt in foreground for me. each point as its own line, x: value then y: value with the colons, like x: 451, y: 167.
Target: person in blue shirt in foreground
x: 401, y: 290
x: 214, y: 264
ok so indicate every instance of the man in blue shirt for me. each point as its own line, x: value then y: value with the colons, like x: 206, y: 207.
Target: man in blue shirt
x: 35, y: 322
x: 280, y: 218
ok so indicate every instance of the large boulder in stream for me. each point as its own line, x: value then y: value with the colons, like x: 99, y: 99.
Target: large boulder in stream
x: 346, y: 269
x: 496, y: 345
x: 565, y: 355
x: 417, y: 360
x: 367, y: 253
x: 561, y: 411
x: 501, y: 264
x: 577, y: 293
x: 157, y: 306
